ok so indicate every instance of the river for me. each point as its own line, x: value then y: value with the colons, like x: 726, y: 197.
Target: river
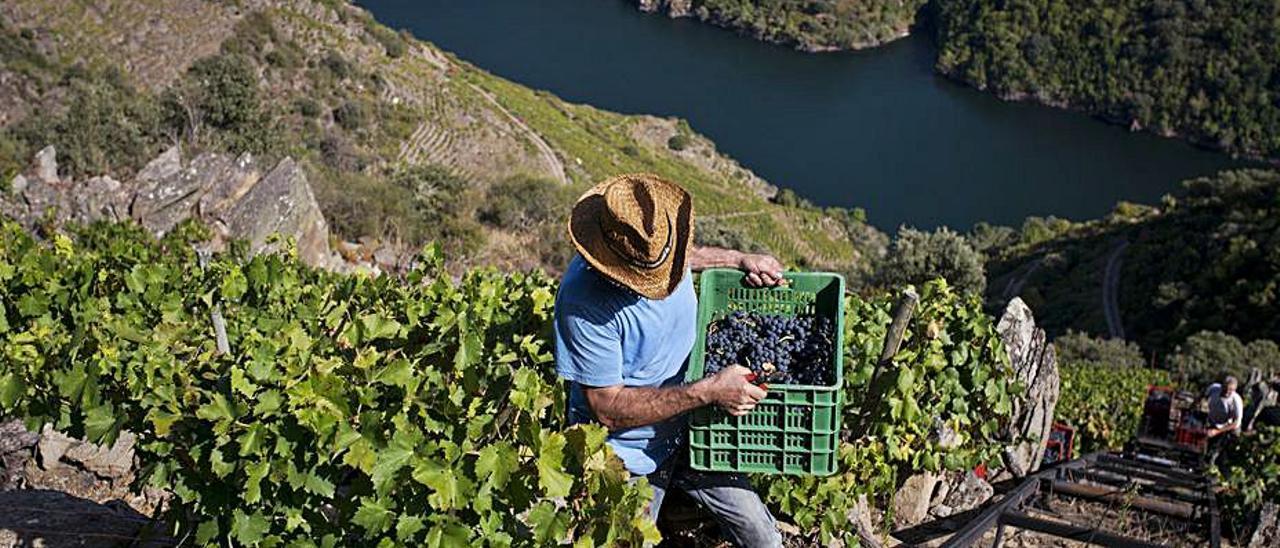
x: 876, y: 129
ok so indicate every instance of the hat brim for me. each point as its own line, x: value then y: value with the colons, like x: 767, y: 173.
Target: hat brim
x: 588, y: 237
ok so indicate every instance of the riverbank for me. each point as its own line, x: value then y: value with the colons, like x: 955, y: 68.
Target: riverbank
x: 812, y: 27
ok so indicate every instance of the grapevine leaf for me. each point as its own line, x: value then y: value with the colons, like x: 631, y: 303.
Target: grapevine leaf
x: 377, y: 327
x: 496, y: 463
x: 253, y: 483
x: 449, y: 488
x: 373, y: 515
x: 251, y: 440
x: 317, y: 485
x: 162, y: 421
x: 11, y: 390
x: 393, y: 458
x: 100, y: 423
x: 207, y: 532
x: 408, y: 526
x: 219, y: 409
x: 249, y: 528
x: 555, y: 482
x: 549, y: 526
x: 396, y: 373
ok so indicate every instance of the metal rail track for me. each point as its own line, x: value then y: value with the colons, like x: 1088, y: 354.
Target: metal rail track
x: 1173, y: 490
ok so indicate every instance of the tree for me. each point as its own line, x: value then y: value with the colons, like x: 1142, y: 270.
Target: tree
x: 916, y: 257
x: 1208, y: 356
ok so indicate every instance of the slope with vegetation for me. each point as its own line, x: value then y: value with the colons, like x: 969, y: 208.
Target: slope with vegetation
x: 349, y: 409
x: 403, y: 142
x: 809, y: 25
x: 1205, y: 70
x: 1204, y: 260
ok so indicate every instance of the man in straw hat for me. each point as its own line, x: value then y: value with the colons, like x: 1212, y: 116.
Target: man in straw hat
x: 625, y: 322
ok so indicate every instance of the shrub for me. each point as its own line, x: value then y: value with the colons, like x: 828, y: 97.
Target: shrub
x: 521, y: 203
x: 338, y: 66
x: 1041, y: 229
x: 1075, y: 347
x: 286, y: 56
x: 990, y: 239
x: 307, y: 107
x: 391, y: 41
x: 917, y: 256
x: 221, y: 94
x: 338, y: 152
x: 679, y: 142
x: 1208, y: 356
x: 714, y: 233
x: 789, y: 198
x: 1249, y: 473
x: 351, y: 115
x: 108, y: 127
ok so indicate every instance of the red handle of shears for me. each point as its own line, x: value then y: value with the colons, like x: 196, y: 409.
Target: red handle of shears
x: 751, y: 378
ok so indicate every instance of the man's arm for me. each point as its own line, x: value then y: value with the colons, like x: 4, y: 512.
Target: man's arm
x: 762, y: 270
x: 619, y: 407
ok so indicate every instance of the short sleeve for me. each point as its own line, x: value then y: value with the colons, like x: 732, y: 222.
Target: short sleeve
x: 588, y: 350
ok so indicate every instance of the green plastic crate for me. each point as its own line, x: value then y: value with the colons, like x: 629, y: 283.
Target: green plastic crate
x: 796, y: 428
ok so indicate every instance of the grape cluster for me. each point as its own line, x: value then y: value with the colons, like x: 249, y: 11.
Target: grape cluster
x: 778, y: 349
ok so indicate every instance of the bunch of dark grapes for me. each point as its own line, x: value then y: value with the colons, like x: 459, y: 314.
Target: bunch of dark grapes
x: 778, y: 349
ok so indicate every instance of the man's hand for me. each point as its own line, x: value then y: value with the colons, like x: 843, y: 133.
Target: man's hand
x: 762, y: 270
x: 731, y: 390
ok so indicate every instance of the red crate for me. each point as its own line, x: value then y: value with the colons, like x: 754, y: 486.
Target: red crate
x: 1192, y: 437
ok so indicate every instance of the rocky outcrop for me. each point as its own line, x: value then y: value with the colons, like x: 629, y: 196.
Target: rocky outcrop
x: 1267, y: 532
x: 16, y: 445
x: 960, y: 492
x: 109, y: 463
x: 912, y: 501
x: 1035, y: 365
x: 230, y: 194
x: 673, y: 8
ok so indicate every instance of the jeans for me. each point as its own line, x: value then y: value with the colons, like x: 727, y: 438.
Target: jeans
x: 742, y: 516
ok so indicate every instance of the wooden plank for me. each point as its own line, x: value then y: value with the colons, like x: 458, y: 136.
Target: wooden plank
x: 1069, y: 531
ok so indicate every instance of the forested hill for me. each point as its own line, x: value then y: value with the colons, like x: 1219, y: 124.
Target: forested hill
x: 1205, y: 260
x: 1206, y: 70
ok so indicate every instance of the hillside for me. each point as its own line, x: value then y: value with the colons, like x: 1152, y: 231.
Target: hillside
x: 1203, y: 260
x: 403, y: 142
x: 823, y: 25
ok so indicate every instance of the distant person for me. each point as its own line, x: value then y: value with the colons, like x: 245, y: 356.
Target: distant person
x: 1226, y: 414
x: 625, y: 322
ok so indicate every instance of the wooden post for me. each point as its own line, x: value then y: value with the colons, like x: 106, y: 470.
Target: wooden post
x: 219, y: 323
x: 902, y: 313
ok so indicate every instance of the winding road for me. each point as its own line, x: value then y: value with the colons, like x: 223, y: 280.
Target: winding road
x: 1111, y: 290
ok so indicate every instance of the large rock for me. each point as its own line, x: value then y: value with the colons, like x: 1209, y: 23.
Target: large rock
x: 1035, y: 365
x: 115, y: 462
x: 230, y: 194
x: 961, y: 492
x: 46, y: 165
x: 281, y: 203
x: 912, y: 501
x: 1267, y: 534
x: 17, y: 446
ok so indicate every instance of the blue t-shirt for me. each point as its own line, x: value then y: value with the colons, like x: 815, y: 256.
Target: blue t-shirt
x: 607, y: 335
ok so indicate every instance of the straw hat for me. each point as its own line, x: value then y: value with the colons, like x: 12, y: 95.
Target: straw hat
x: 635, y: 230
